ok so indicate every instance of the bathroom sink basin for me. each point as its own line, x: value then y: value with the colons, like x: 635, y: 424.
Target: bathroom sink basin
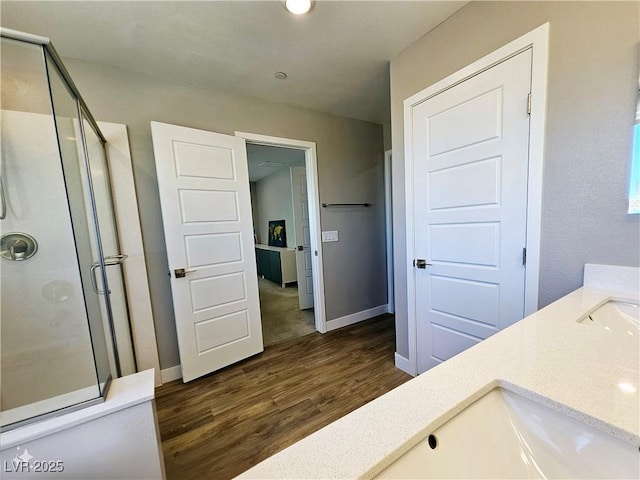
x: 616, y: 316
x: 504, y: 435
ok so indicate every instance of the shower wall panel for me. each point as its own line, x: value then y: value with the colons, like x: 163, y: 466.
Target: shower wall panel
x: 46, y: 349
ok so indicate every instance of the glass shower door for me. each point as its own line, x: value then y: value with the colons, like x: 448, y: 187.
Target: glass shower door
x: 81, y: 210
x: 121, y: 354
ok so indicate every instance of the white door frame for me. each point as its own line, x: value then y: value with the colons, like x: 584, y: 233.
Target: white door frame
x: 538, y: 40
x: 388, y: 215
x: 311, y: 165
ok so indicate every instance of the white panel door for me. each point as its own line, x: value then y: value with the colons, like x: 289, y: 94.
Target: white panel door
x: 303, y: 237
x: 206, y: 211
x: 470, y: 146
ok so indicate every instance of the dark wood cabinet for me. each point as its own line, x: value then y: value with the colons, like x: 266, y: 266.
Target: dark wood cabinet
x: 264, y: 266
x: 275, y: 267
x: 276, y: 264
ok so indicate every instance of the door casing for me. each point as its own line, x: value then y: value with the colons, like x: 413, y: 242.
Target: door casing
x: 538, y: 40
x: 313, y: 193
x: 388, y: 215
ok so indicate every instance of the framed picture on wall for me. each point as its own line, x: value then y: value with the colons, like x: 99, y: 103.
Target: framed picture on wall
x: 277, y: 233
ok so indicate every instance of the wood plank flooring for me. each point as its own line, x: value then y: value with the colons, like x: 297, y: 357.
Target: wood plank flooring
x: 221, y: 425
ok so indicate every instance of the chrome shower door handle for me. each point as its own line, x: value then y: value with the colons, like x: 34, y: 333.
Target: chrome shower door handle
x: 113, y: 260
x: 109, y: 261
x: 94, y: 280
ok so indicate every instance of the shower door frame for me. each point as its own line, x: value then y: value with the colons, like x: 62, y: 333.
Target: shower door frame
x: 82, y: 112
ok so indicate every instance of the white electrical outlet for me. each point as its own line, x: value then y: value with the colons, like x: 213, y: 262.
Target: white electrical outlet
x: 330, y: 236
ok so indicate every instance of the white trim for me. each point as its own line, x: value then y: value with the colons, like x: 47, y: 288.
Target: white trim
x: 125, y: 203
x: 23, y: 36
x: 537, y: 125
x: 124, y: 392
x: 409, y: 215
x: 538, y: 41
x: 404, y: 364
x: 313, y: 191
x: 170, y: 374
x: 356, y: 317
x: 388, y: 213
x: 48, y: 405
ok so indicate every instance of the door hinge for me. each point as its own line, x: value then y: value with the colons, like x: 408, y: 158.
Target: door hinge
x: 529, y: 104
x: 524, y: 256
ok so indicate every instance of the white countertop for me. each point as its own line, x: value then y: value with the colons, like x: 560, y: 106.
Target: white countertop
x: 549, y: 354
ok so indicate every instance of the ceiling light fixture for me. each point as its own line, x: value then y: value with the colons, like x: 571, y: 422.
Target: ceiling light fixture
x: 298, y: 7
x: 280, y: 75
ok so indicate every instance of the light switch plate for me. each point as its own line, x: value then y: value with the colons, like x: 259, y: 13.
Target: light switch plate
x: 330, y: 236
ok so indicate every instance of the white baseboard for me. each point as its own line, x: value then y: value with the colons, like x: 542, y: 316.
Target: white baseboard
x: 403, y: 364
x: 356, y: 317
x: 170, y: 374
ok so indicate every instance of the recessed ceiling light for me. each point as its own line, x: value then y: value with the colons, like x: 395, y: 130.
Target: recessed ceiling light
x: 298, y: 7
x: 280, y: 75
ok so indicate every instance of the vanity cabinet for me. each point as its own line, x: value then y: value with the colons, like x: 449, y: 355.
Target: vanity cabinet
x: 276, y: 264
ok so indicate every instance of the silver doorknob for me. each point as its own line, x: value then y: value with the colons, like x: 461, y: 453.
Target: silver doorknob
x: 421, y: 263
x: 181, y: 272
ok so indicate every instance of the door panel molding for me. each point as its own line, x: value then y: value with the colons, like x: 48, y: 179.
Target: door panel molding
x: 538, y: 41
x: 204, y: 194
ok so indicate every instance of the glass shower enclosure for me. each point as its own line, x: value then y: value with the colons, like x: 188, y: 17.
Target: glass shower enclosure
x: 57, y: 349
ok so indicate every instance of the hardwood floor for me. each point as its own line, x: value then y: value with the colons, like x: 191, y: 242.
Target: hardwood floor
x: 221, y: 425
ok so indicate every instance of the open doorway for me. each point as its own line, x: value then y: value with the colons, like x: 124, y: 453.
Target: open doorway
x: 309, y: 254
x: 280, y: 210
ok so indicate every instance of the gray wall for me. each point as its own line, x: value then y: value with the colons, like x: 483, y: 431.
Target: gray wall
x: 592, y: 85
x: 275, y: 202
x: 350, y: 168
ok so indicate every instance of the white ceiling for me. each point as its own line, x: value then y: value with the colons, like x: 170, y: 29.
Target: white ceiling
x: 264, y: 160
x: 336, y: 57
